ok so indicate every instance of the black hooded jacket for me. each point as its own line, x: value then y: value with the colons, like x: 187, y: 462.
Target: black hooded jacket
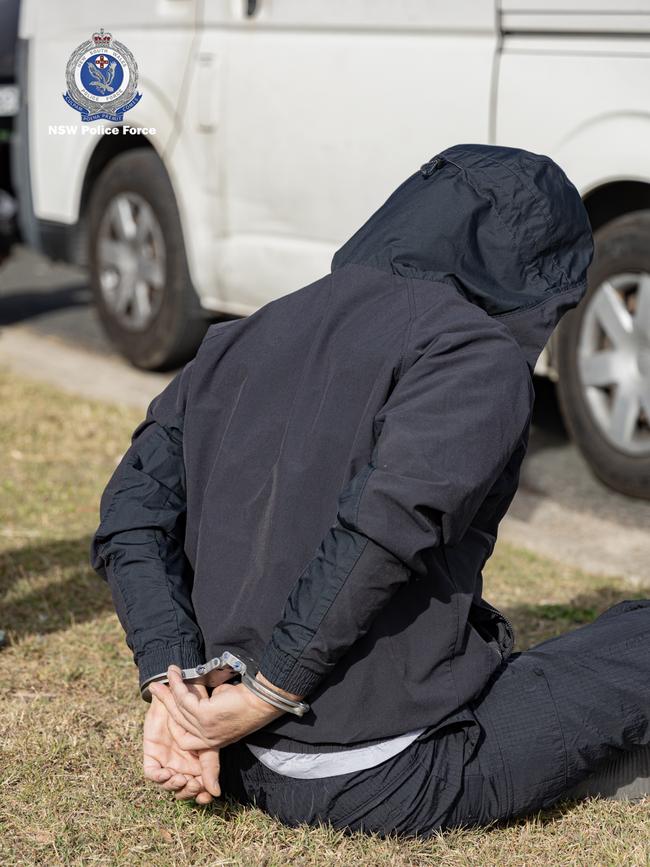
x: 319, y: 489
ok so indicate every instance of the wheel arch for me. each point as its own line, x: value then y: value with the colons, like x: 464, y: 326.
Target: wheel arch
x: 614, y: 199
x: 171, y: 334
x: 604, y: 203
x: 108, y: 148
x: 605, y: 161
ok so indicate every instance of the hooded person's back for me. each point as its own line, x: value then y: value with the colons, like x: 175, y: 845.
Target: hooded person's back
x: 320, y: 488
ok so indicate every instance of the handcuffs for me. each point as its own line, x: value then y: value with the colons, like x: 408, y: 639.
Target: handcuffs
x: 245, y: 670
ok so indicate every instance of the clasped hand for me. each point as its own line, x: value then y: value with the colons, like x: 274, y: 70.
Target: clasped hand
x: 185, y: 729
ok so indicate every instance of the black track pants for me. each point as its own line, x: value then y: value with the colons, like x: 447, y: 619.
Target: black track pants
x: 549, y: 717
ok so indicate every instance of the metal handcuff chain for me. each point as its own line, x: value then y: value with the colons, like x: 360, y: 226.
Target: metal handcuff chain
x: 201, y: 674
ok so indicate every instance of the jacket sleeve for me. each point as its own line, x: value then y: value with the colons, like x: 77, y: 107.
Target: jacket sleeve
x: 446, y: 433
x: 138, y: 547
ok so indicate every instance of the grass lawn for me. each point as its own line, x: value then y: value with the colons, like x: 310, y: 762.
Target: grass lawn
x: 71, y: 716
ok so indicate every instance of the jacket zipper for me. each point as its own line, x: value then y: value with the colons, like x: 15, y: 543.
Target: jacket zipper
x: 506, y: 620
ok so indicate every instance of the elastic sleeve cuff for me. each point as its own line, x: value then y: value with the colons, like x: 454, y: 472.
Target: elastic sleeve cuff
x: 286, y: 673
x: 158, y: 659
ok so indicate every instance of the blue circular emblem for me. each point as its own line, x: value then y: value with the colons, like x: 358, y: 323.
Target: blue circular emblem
x: 101, y: 74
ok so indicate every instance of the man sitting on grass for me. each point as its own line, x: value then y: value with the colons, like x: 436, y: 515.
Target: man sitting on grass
x: 314, y: 496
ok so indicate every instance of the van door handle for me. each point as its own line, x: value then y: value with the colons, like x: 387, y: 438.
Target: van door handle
x: 251, y: 8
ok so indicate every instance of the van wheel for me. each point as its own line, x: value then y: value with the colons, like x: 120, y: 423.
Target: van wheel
x: 603, y: 353
x: 138, y: 268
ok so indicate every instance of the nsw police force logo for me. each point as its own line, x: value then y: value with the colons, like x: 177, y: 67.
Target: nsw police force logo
x: 102, y: 79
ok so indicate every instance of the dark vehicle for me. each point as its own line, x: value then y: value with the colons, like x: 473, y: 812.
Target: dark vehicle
x: 8, y: 110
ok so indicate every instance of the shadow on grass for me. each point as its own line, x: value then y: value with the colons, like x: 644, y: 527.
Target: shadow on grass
x: 22, y: 306
x: 60, y: 587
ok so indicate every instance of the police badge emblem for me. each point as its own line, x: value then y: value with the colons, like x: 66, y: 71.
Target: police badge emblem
x: 102, y: 79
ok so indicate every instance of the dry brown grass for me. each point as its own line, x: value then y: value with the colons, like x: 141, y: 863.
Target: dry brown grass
x: 70, y: 721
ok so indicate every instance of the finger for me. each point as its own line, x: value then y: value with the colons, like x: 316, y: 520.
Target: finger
x: 150, y: 767
x: 164, y: 694
x: 160, y: 775
x: 189, y: 791
x: 153, y: 770
x: 210, y: 767
x: 175, y: 782
x: 180, y: 714
x: 203, y: 797
x: 185, y: 699
x: 185, y: 740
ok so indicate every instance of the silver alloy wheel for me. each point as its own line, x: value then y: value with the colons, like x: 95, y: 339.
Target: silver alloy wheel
x: 614, y: 360
x: 131, y: 259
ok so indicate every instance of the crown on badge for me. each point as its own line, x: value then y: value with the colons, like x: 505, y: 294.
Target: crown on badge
x: 101, y: 39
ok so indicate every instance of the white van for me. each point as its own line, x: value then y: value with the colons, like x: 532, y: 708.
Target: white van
x: 270, y: 129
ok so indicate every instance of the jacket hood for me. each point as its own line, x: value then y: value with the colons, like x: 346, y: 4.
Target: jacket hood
x: 505, y: 226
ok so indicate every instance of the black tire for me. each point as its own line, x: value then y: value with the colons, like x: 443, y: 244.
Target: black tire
x: 178, y: 325
x: 621, y: 246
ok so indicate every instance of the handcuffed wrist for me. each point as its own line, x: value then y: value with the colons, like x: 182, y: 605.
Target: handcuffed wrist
x: 247, y: 670
x: 272, y: 696
x: 286, y: 673
x: 153, y: 663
